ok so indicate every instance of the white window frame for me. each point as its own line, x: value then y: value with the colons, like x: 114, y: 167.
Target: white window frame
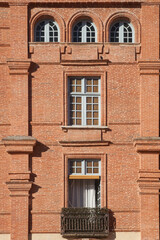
x: 84, y: 31
x: 46, y: 30
x: 84, y: 167
x: 121, y: 31
x: 83, y: 94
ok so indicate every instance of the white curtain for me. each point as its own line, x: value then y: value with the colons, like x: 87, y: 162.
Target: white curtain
x: 82, y: 193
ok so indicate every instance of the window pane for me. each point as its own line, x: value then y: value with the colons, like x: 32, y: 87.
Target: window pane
x: 95, y: 99
x: 89, y: 82
x: 89, y: 164
x: 78, y: 122
x: 89, y: 89
x: 78, y: 107
x: 78, y: 114
x: 95, y: 114
x: 78, y: 100
x: 79, y: 163
x: 78, y: 89
x: 95, y: 163
x: 89, y: 121
x: 78, y: 170
x: 95, y: 89
x: 95, y: 107
x: 89, y: 107
x: 89, y: 170
x: 89, y: 99
x: 95, y: 122
x: 89, y: 114
x: 95, y: 170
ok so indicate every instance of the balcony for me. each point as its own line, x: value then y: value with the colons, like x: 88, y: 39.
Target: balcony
x: 84, y: 222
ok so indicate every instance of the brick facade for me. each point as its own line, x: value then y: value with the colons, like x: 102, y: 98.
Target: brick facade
x: 37, y: 140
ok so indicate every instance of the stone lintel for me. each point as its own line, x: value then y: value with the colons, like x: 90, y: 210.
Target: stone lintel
x: 18, y: 67
x: 19, y: 144
x: 147, y: 144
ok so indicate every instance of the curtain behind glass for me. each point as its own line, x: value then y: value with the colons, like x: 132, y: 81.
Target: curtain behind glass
x: 82, y: 193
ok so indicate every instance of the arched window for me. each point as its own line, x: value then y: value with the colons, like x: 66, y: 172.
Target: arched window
x: 84, y: 31
x: 122, y: 32
x: 47, y: 31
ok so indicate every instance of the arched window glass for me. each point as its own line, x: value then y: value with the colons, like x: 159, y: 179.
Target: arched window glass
x: 47, y: 31
x: 122, y: 32
x: 84, y: 31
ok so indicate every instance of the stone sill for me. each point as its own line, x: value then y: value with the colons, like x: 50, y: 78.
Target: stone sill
x: 102, y: 128
x: 86, y: 235
x: 83, y: 43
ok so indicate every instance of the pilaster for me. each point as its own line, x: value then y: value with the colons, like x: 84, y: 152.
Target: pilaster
x: 149, y: 185
x: 150, y: 31
x: 19, y: 105
x: 19, y: 184
x: 19, y: 29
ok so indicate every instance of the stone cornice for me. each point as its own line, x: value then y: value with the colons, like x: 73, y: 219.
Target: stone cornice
x: 19, y: 144
x: 147, y: 144
x: 18, y: 67
x: 18, y: 189
x: 149, y: 67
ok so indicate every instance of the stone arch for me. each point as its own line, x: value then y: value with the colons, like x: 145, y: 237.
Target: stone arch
x: 124, y: 15
x: 81, y: 15
x: 48, y: 14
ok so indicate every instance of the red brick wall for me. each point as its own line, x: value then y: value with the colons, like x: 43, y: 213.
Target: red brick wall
x: 45, y: 105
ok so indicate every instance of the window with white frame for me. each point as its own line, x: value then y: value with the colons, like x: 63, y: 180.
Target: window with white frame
x: 122, y: 32
x: 47, y: 31
x: 84, y: 101
x: 84, y: 167
x: 84, y: 183
x: 84, y: 31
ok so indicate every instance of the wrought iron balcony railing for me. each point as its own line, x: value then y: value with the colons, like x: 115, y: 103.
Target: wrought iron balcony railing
x: 85, y: 222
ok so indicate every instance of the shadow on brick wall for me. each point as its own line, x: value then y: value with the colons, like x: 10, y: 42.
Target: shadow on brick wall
x: 112, y: 225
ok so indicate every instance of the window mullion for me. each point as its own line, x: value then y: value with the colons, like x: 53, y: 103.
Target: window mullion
x: 83, y: 31
x: 121, y: 32
x: 84, y: 102
x: 46, y: 31
x: 83, y: 167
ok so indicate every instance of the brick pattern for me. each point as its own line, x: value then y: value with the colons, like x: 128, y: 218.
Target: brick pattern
x: 33, y: 102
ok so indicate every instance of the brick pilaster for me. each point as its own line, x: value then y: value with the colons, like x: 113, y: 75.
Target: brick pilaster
x: 19, y: 185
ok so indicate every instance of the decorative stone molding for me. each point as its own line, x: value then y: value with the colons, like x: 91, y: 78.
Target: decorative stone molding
x: 18, y: 189
x: 18, y: 67
x: 149, y: 174
x: 149, y: 181
x: 84, y: 62
x: 51, y: 15
x: 19, y: 144
x: 147, y: 144
x: 83, y: 143
x: 19, y: 176
x: 149, y: 67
